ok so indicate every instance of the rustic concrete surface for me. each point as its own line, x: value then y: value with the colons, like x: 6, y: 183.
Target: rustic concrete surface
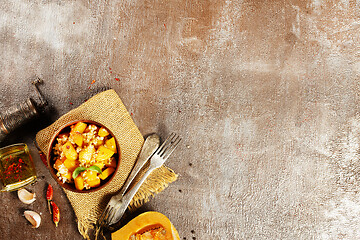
x: 264, y: 93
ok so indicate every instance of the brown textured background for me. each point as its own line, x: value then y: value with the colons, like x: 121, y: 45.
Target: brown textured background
x: 264, y: 93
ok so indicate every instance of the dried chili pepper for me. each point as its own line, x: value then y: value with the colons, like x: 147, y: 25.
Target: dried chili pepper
x: 56, y: 213
x: 42, y: 155
x: 49, y: 195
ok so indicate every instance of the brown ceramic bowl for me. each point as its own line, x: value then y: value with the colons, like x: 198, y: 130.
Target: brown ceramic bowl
x: 51, y: 161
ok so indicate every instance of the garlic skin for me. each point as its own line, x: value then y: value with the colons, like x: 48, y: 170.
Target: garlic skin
x: 33, y: 217
x: 26, y: 197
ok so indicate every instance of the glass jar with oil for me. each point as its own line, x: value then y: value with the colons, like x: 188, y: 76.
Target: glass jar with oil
x: 16, y: 167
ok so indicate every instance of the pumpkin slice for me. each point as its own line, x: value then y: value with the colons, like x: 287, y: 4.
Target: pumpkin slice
x: 145, y: 224
x: 71, y: 164
x: 103, y: 132
x: 78, y: 138
x: 67, y: 176
x: 101, y: 165
x: 110, y: 144
x: 86, y: 154
x: 94, y: 183
x: 98, y: 143
x: 69, y: 151
x: 58, y: 163
x: 79, y: 127
x: 79, y: 182
x: 106, y: 173
x: 89, y: 175
x: 104, y: 153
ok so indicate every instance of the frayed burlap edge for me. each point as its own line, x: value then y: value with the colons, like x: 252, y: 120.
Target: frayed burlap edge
x: 158, y: 180
x: 84, y: 226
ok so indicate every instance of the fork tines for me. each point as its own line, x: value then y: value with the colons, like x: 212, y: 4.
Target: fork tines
x: 168, y: 146
x: 104, y: 217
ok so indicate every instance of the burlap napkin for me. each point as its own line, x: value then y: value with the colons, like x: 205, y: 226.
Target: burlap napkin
x: 108, y: 109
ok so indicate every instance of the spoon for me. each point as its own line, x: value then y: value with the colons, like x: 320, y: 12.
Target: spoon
x: 151, y: 143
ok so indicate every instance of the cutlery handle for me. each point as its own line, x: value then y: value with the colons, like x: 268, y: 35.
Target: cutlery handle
x: 126, y: 199
x: 151, y: 143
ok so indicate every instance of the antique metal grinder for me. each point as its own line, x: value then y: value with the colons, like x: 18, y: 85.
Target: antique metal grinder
x: 19, y: 114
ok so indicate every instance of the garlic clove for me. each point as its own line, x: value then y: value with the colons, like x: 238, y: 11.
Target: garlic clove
x: 26, y: 197
x: 33, y: 217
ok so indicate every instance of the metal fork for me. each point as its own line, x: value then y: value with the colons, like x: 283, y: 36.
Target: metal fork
x: 151, y: 144
x: 157, y: 160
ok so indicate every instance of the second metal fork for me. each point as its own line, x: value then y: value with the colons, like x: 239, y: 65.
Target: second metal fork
x: 156, y: 161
